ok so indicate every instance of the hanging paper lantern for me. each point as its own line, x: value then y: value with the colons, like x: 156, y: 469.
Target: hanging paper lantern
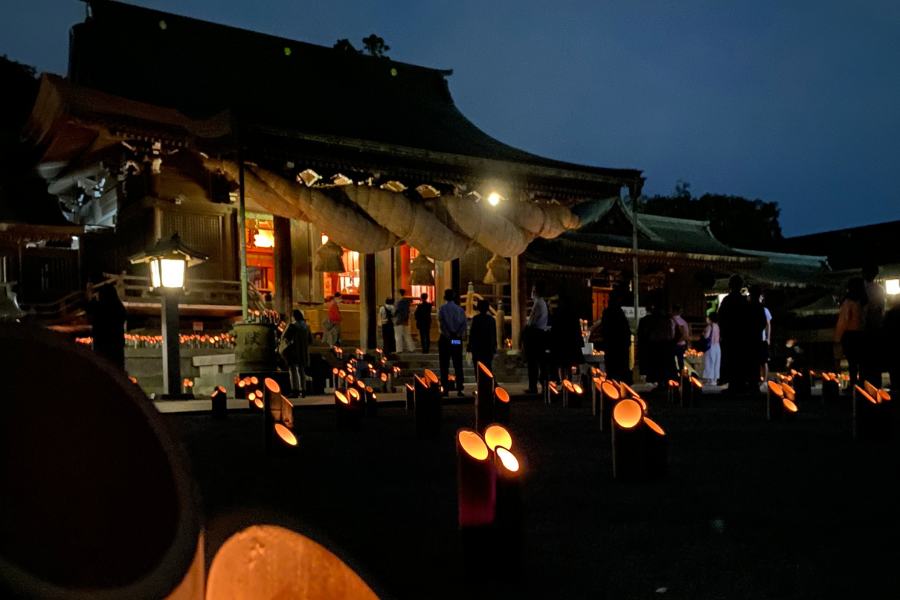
x: 497, y: 270
x: 421, y: 271
x: 329, y: 258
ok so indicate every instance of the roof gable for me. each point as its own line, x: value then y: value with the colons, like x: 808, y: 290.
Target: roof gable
x: 277, y: 84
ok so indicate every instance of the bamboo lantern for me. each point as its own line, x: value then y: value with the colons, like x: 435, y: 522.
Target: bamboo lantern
x: 692, y: 393
x: 272, y: 411
x: 803, y: 384
x: 871, y: 414
x: 476, y: 496
x: 551, y: 392
x: 774, y: 398
x: 655, y: 450
x: 509, y: 522
x: 497, y: 271
x: 371, y: 403
x: 608, y: 399
x: 626, y: 391
x: 421, y: 271
x: 572, y: 394
x: 789, y: 410
x: 347, y: 415
x: 484, y: 397
x: 98, y: 500
x: 475, y: 480
x: 287, y: 413
x: 240, y: 389
x: 219, y: 403
x: 410, y: 397
x: 628, y: 441
x: 501, y: 405
x: 268, y: 561
x: 429, y: 406
x: 673, y: 392
x: 596, y: 394
x: 496, y: 436
x: 330, y: 258
x: 831, y: 387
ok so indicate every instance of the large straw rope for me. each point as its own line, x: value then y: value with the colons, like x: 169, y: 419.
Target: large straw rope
x: 411, y: 222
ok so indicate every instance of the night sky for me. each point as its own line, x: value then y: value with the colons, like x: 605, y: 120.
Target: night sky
x: 796, y: 102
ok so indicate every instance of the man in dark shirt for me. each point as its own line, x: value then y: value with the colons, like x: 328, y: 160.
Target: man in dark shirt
x: 401, y: 324
x: 423, y: 322
x: 453, y: 324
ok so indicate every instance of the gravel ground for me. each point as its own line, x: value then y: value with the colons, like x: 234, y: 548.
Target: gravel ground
x: 750, y: 509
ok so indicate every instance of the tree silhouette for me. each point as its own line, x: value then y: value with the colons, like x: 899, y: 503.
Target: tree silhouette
x: 375, y: 46
x: 735, y: 221
x: 344, y: 45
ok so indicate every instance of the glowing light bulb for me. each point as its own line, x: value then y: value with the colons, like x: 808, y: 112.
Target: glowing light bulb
x: 494, y: 199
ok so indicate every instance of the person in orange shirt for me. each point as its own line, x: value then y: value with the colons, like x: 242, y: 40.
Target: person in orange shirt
x: 851, y: 326
x: 332, y: 324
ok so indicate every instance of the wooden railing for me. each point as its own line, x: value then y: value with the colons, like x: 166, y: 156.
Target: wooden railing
x: 137, y: 288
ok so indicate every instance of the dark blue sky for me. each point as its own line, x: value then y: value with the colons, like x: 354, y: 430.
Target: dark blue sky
x: 796, y: 102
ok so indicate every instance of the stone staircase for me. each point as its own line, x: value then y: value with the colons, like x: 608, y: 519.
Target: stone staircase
x: 507, y: 369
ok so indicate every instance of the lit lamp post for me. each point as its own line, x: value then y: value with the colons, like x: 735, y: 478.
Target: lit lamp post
x: 168, y: 260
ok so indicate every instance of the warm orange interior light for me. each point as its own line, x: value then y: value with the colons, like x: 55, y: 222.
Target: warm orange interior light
x: 568, y: 385
x: 354, y: 395
x: 775, y: 388
x: 473, y: 445
x: 630, y: 391
x: 334, y: 371
x: 273, y: 386
x: 502, y: 395
x: 553, y: 388
x: 627, y: 414
x: 350, y: 379
x: 258, y: 402
x: 610, y: 390
x: 341, y: 397
x: 641, y: 401
x: 251, y: 396
x: 221, y: 390
x: 870, y: 389
x: 361, y: 384
x: 497, y: 435
x: 485, y: 369
x: 342, y: 374
x: 241, y: 383
x: 285, y: 434
x: 254, y: 380
x: 884, y: 396
x: 788, y: 390
x: 865, y: 395
x: 247, y: 380
x: 510, y: 462
x: 422, y: 382
x: 384, y: 376
x: 652, y: 425
x: 789, y: 405
x: 369, y: 389
x: 430, y: 376
x: 410, y: 387
x: 236, y: 378
x: 696, y: 382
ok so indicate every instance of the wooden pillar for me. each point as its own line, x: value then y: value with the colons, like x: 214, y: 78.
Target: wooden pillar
x: 284, y: 269
x: 518, y: 291
x: 367, y: 302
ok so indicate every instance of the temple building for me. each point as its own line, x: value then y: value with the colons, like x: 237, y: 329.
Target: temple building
x: 314, y: 170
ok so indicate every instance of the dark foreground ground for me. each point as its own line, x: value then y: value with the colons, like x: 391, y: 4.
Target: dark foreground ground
x: 750, y: 509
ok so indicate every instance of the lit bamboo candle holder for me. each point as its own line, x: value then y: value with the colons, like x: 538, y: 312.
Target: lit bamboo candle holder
x: 608, y: 399
x: 501, y: 405
x: 476, y: 496
x: 271, y: 410
x: 347, y: 410
x: 429, y: 406
x: 774, y: 398
x: 509, y: 520
x: 551, y: 392
x: 673, y: 392
x: 484, y: 397
x: 219, y: 400
x: 410, y: 397
x: 572, y: 394
x: 691, y: 395
x: 628, y: 441
x: 596, y: 392
x: 655, y: 450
